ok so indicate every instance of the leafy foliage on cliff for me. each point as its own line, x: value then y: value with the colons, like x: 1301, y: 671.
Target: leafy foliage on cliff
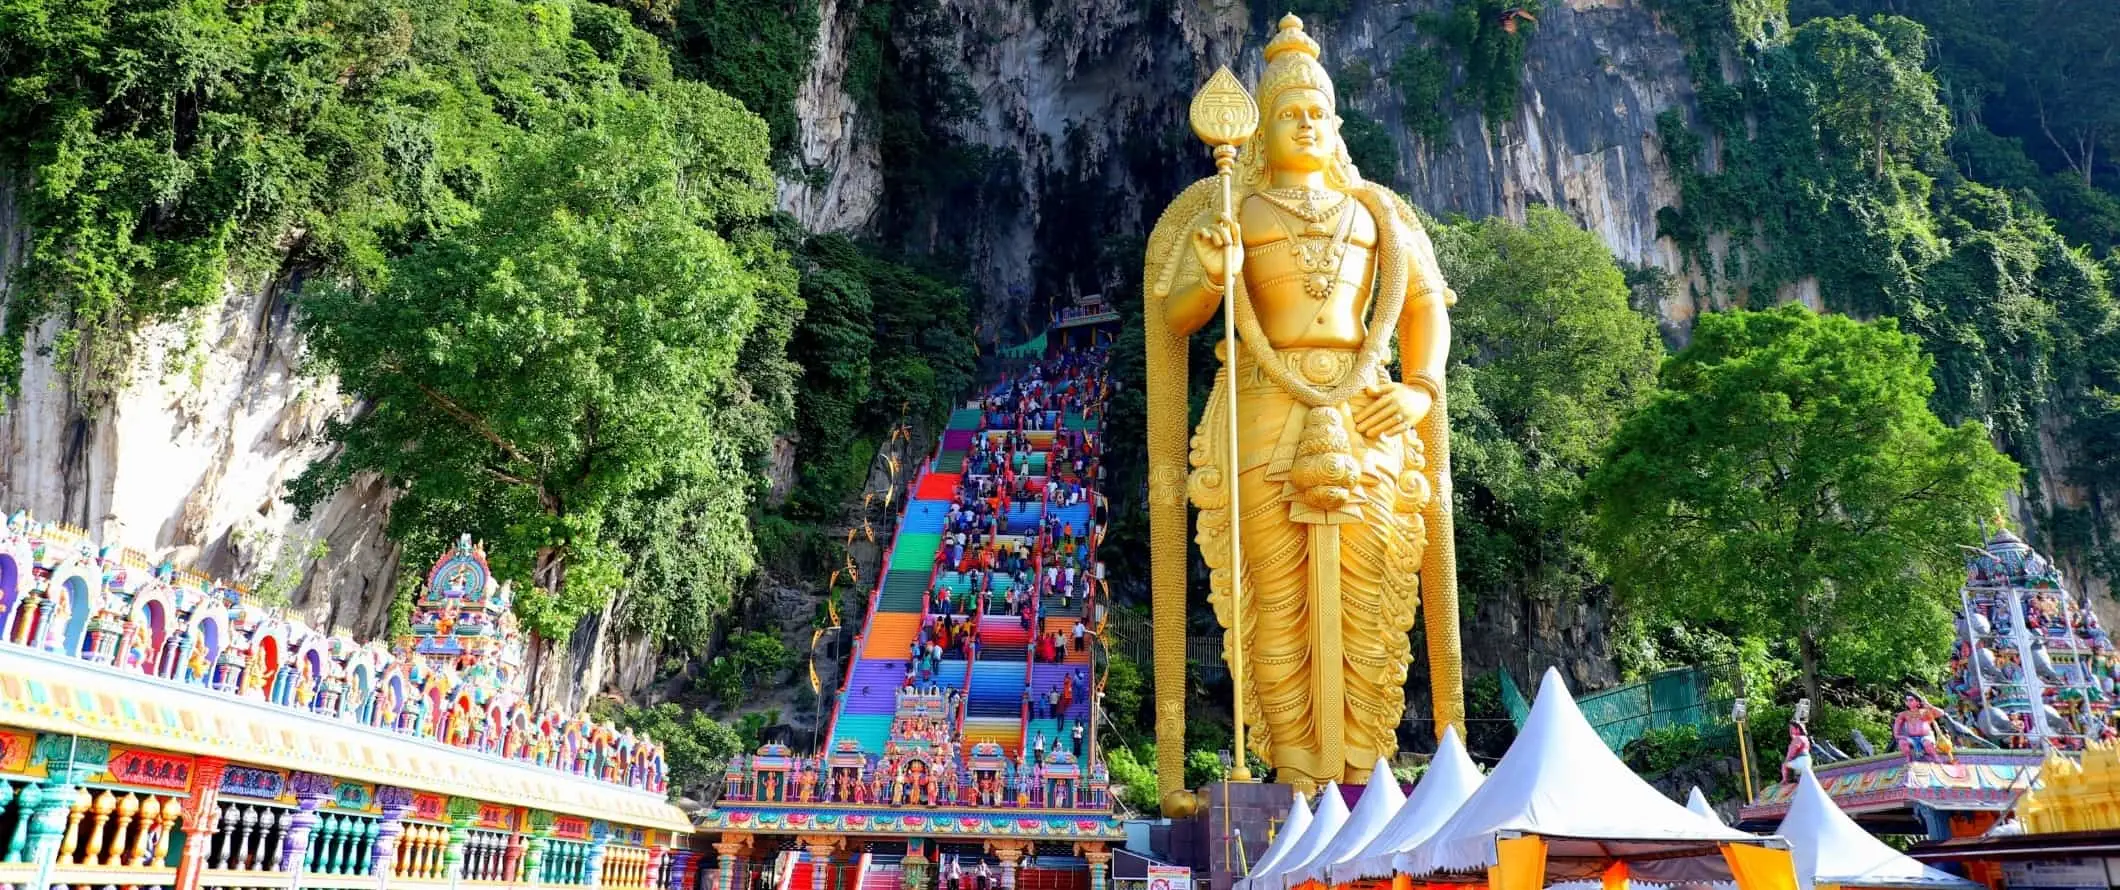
x: 1789, y: 482
x: 165, y: 147
x: 583, y: 371
x: 1844, y: 160
x: 883, y: 339
x: 1548, y: 357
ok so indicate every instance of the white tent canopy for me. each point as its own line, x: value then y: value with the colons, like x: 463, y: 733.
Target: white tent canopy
x: 1292, y: 829
x: 1698, y: 803
x: 1829, y: 848
x: 1326, y: 822
x: 1381, y: 800
x: 1450, y: 779
x: 1559, y: 782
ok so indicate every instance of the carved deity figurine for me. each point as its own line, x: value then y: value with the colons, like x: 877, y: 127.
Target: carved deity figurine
x: 197, y: 669
x: 1342, y: 474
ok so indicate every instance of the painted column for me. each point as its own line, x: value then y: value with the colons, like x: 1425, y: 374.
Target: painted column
x: 652, y: 877
x: 382, y: 857
x: 540, y: 823
x: 726, y: 852
x: 462, y: 814
x: 820, y: 850
x: 310, y: 792
x: 599, y: 835
x: 1008, y: 857
x: 68, y: 761
x: 512, y: 860
x: 682, y: 862
x: 1100, y: 862
x: 202, y: 817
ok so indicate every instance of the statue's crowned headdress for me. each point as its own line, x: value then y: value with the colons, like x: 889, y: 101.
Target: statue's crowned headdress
x: 1292, y: 64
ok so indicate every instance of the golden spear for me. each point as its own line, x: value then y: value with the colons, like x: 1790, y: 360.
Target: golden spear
x: 1224, y: 116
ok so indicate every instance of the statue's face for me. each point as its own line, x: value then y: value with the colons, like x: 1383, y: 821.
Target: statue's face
x: 1302, y: 133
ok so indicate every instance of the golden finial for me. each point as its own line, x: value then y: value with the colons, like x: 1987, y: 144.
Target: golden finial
x: 1292, y: 63
x: 1291, y: 37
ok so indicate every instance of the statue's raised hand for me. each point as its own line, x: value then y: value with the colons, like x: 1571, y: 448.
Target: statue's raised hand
x: 1220, y: 247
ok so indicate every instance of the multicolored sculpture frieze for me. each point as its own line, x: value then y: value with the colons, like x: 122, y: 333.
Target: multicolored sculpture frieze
x: 457, y: 678
x: 921, y: 766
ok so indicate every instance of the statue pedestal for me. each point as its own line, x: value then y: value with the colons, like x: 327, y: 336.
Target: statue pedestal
x: 1230, y: 832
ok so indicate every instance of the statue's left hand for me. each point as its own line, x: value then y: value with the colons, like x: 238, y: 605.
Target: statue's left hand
x: 1397, y: 408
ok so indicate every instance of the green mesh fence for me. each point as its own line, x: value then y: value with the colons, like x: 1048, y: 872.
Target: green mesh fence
x: 1032, y: 349
x: 1623, y: 713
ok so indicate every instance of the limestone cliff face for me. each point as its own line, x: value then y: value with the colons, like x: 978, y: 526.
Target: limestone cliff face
x: 187, y: 453
x: 1096, y: 92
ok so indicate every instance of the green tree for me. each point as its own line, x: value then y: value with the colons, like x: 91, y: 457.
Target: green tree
x: 1790, y: 482
x: 696, y: 748
x: 1547, y: 358
x: 1369, y: 146
x: 544, y: 374
x: 1874, y: 89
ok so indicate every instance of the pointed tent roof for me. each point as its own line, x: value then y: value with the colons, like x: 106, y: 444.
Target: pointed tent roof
x: 1560, y: 782
x: 1450, y: 779
x: 1326, y: 822
x: 1380, y: 801
x: 1698, y: 803
x: 1292, y: 830
x: 1829, y: 848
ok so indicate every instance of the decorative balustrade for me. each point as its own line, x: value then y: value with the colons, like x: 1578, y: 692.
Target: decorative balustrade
x: 74, y: 814
x: 626, y: 866
x: 250, y: 837
x: 422, y: 853
x: 566, y: 862
x: 490, y: 856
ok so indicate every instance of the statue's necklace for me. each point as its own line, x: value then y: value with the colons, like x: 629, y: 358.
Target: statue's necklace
x: 1308, y: 204
x: 1318, y: 256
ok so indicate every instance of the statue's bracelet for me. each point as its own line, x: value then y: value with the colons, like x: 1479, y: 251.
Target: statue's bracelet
x: 1426, y: 381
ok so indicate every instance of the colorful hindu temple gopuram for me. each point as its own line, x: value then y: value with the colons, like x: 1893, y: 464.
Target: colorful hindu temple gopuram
x: 2032, y: 672
x: 963, y: 747
x: 159, y: 730
x: 2012, y: 777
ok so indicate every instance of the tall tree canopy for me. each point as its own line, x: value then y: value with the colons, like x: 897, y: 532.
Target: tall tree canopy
x: 557, y: 373
x: 1547, y: 358
x: 1790, y: 482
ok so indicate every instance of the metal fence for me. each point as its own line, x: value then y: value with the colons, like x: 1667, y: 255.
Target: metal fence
x: 1699, y: 695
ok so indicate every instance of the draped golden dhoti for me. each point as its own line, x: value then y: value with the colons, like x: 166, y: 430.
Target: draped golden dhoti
x: 1333, y: 540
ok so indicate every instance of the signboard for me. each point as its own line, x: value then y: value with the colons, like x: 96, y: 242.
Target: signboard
x: 148, y: 769
x: 14, y: 751
x: 430, y: 808
x: 248, y: 781
x: 1169, y: 877
x: 2055, y: 874
x: 352, y: 796
x: 573, y: 828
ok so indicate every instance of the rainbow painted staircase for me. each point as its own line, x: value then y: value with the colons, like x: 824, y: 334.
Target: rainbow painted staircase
x: 996, y: 680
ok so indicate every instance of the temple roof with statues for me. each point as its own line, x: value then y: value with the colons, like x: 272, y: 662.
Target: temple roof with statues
x: 2031, y: 678
x: 102, y: 645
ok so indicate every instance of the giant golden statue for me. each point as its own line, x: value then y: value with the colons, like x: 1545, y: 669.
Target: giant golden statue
x: 1341, y: 477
